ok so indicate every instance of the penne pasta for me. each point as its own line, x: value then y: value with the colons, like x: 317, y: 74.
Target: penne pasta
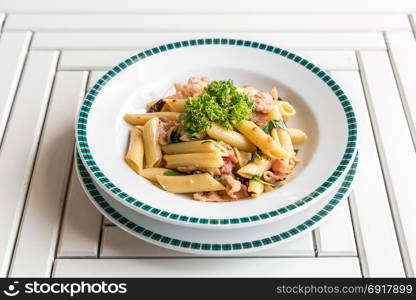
x: 190, y: 147
x: 257, y: 167
x: 135, y: 151
x: 286, y: 109
x: 151, y: 173
x: 176, y: 105
x: 285, y: 141
x: 141, y: 119
x: 243, y: 157
x: 297, y: 136
x: 268, y: 188
x: 274, y: 93
x: 165, y: 108
x: 230, y: 137
x: 275, y: 113
x: 201, y: 160
x: 153, y: 152
x: 275, y: 136
x: 255, y: 188
x: 189, y: 183
x: 262, y: 140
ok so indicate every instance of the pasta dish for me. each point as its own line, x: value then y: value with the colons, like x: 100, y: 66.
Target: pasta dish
x: 215, y: 140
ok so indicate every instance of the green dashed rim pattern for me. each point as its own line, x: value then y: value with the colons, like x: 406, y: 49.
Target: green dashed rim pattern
x: 148, y: 234
x: 95, y: 171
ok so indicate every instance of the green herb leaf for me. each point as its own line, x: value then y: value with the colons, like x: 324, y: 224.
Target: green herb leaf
x: 296, y: 151
x: 172, y: 173
x: 220, y: 103
x: 257, y: 155
x: 218, y: 178
x: 217, y: 144
x: 274, y: 124
x: 258, y: 179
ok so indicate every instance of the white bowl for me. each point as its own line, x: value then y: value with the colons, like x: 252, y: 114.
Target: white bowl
x: 216, y: 242
x: 324, y: 112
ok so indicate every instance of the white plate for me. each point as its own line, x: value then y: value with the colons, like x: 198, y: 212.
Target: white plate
x: 324, y: 112
x: 212, y: 241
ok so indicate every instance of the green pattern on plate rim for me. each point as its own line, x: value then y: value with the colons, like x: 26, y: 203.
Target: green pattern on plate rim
x: 88, y: 159
x: 148, y: 234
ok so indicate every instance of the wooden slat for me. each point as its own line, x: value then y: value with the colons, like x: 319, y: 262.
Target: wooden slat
x: 35, y: 246
x: 402, y: 50
x: 210, y: 267
x: 135, y: 40
x: 395, y: 147
x: 103, y: 60
x: 118, y: 243
x: 246, y: 22
x: 335, y: 237
x: 374, y: 228
x: 13, y: 49
x: 220, y: 6
x: 19, y: 145
x: 81, y: 225
x: 92, y: 60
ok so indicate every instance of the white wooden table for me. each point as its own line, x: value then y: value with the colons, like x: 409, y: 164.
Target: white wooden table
x: 50, y: 54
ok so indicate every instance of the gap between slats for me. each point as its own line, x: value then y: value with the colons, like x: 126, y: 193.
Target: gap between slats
x: 3, y: 18
x: 412, y: 21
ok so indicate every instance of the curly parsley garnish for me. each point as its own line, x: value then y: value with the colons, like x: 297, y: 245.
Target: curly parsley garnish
x: 258, y: 179
x: 274, y: 124
x: 220, y: 103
